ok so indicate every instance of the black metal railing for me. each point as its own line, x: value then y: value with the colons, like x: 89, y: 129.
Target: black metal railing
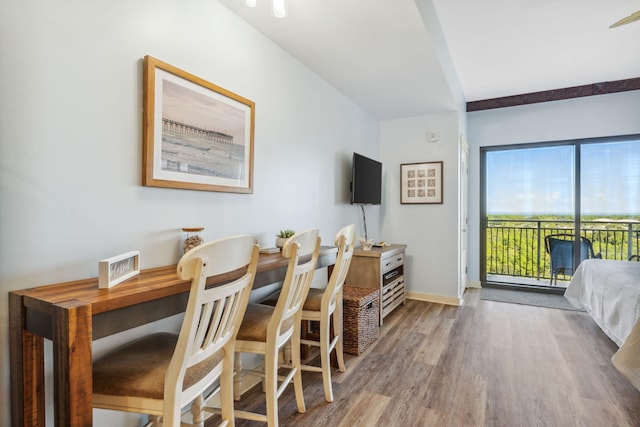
x: 515, y: 247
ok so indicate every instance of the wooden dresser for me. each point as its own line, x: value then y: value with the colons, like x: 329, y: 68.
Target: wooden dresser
x: 381, y: 268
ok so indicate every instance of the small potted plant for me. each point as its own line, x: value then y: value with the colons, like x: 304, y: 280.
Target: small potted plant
x: 282, y: 237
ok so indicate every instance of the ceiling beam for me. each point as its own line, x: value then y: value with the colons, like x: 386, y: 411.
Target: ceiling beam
x: 556, y: 94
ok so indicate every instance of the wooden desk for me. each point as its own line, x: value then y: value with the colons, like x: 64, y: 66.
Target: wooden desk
x: 72, y: 314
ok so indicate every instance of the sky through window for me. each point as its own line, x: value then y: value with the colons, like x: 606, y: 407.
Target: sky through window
x: 540, y: 180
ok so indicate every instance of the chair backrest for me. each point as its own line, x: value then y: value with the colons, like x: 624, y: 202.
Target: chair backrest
x: 560, y: 248
x: 213, y: 315
x: 345, y: 241
x: 302, y: 250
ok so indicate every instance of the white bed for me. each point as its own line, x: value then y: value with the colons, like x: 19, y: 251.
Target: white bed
x: 610, y: 292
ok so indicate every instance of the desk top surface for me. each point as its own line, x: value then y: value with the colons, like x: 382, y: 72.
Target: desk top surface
x: 379, y: 251
x: 148, y: 285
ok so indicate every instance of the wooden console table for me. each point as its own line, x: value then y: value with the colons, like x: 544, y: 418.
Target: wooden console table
x: 72, y: 314
x: 381, y: 268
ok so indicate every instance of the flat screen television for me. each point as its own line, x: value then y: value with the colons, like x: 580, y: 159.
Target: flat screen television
x: 366, y: 180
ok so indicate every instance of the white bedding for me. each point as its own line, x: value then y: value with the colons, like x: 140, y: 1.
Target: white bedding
x: 610, y: 292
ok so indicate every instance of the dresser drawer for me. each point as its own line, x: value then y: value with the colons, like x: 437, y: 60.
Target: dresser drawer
x: 392, y: 296
x: 392, y: 275
x: 392, y: 262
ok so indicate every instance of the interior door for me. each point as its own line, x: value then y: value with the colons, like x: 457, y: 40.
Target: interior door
x: 463, y: 217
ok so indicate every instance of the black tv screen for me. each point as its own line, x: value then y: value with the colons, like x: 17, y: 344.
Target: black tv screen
x: 366, y: 180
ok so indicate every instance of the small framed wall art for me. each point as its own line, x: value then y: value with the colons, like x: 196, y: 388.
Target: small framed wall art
x: 117, y: 269
x: 421, y: 183
x: 197, y: 135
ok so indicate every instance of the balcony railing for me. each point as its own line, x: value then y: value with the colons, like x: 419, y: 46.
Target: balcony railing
x: 515, y: 247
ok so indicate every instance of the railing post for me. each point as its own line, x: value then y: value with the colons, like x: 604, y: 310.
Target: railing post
x: 630, y: 240
x: 538, y: 254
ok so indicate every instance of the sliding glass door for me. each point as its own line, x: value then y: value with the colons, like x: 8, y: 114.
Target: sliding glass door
x: 535, y: 197
x: 529, y: 193
x: 610, y: 197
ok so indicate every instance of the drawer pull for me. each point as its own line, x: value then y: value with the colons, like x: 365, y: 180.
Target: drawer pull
x: 391, y: 274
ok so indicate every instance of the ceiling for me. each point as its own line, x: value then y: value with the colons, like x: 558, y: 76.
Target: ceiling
x: 380, y: 53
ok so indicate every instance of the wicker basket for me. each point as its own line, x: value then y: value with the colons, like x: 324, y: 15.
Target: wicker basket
x: 361, y: 310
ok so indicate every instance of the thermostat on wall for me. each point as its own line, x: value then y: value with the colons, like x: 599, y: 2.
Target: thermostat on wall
x: 433, y: 136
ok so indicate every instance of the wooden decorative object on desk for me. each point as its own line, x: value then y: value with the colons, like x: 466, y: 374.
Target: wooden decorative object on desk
x: 117, y: 269
x: 360, y: 321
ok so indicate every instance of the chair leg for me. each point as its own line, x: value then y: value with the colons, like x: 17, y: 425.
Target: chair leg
x: 304, y: 333
x: 325, y: 359
x: 286, y: 353
x: 172, y: 413
x: 196, y: 411
x: 271, y: 387
x: 297, y: 377
x: 237, y: 380
x: 337, y: 332
x: 227, y: 388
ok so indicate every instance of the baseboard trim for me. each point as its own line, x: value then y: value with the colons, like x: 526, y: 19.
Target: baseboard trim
x: 474, y: 284
x: 440, y: 299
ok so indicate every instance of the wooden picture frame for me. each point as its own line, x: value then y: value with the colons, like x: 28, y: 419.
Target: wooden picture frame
x: 196, y: 135
x: 421, y: 183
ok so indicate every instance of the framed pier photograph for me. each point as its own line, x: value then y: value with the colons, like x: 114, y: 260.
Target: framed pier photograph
x: 196, y: 135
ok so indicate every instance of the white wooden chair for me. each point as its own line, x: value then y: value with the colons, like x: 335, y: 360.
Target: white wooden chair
x: 266, y: 329
x: 161, y: 373
x: 325, y: 307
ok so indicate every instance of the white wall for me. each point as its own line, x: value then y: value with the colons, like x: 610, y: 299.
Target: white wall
x: 429, y: 231
x: 589, y: 117
x: 71, y: 141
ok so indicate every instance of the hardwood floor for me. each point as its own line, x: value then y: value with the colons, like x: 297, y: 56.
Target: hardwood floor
x: 482, y: 364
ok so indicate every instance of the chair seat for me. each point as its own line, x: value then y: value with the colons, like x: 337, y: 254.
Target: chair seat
x: 314, y: 300
x: 138, y: 369
x: 312, y: 303
x: 255, y: 322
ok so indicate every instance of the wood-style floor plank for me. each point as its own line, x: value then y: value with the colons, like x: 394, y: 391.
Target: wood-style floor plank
x: 485, y: 363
